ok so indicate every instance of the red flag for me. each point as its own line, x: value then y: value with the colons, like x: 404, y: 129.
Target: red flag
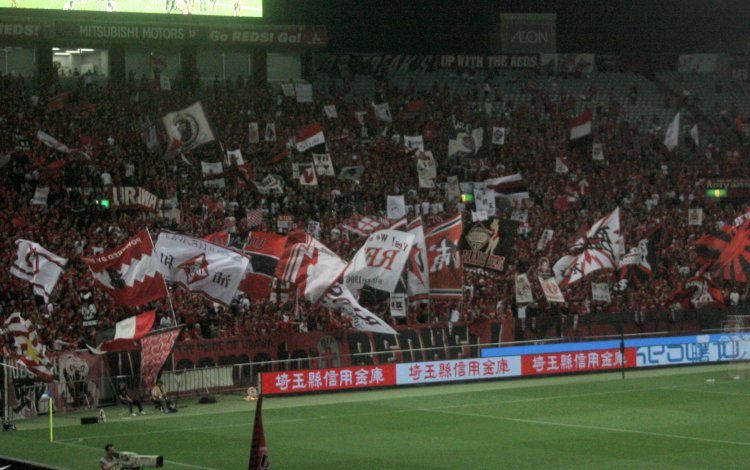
x: 155, y: 350
x: 258, y: 449
x: 444, y: 259
x: 130, y: 272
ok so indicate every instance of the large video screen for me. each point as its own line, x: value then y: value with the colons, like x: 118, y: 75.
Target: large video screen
x: 238, y: 8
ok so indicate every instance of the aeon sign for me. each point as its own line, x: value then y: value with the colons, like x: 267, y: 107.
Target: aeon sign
x: 528, y: 33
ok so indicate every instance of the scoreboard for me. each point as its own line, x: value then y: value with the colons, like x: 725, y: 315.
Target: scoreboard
x: 230, y: 8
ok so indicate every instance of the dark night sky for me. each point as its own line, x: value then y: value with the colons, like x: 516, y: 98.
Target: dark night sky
x: 600, y: 26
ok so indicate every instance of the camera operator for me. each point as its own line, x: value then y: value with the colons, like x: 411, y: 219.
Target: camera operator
x: 110, y: 461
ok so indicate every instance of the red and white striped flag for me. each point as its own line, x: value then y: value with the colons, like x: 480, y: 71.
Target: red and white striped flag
x: 29, y: 350
x: 155, y: 349
x: 40, y: 267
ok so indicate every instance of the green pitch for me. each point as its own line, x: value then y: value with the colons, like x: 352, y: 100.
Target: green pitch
x: 241, y: 8
x: 679, y: 418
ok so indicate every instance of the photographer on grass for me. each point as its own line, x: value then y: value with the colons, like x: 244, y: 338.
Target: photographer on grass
x: 111, y: 460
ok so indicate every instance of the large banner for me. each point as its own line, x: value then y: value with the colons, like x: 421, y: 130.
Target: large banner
x: 489, y: 244
x: 77, y: 385
x: 379, y: 64
x: 444, y: 259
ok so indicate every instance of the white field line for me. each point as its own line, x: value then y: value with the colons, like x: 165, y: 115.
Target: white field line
x: 594, y: 428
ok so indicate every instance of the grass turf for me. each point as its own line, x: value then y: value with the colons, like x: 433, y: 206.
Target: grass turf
x: 670, y: 418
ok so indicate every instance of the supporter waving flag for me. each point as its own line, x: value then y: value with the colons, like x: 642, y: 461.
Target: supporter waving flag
x: 124, y: 332
x: 38, y: 266
x: 189, y: 126
x: 638, y: 265
x: 130, y: 272
x: 28, y: 350
x: 698, y: 292
x: 316, y: 271
x: 380, y: 261
x: 726, y: 253
x: 200, y: 266
x: 600, y: 248
x: 308, y: 137
x: 310, y: 265
x: 418, y: 276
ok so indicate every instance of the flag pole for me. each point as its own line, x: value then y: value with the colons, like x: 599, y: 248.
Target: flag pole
x: 51, y: 412
x: 169, y: 295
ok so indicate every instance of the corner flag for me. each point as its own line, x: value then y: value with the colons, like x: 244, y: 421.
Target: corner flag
x: 258, y: 450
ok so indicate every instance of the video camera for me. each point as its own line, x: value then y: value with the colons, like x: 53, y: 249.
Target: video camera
x: 131, y: 460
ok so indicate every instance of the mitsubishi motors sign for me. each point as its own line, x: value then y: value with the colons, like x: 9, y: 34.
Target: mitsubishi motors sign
x: 526, y: 33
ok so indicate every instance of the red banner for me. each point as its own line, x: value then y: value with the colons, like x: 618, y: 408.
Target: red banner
x: 320, y: 380
x: 444, y: 259
x: 579, y: 361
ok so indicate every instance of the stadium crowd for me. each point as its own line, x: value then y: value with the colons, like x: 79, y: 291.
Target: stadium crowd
x: 652, y: 186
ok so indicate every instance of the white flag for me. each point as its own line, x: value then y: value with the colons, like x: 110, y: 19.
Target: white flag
x: 192, y: 125
x: 234, y: 157
x: 253, y: 135
x: 270, y: 132
x: 479, y: 216
x: 396, y: 207
x: 545, y: 239
x: 288, y: 89
x: 672, y: 137
x: 211, y: 168
x: 330, y: 111
x: 382, y: 112
x: 597, y: 152
x: 200, y: 266
x: 38, y: 266
x: 379, y: 262
x: 51, y: 142
x: 523, y: 290
x: 339, y: 299
x: 600, y: 292
x: 484, y: 200
x: 398, y: 305
x: 304, y: 92
x: 498, y: 135
x: 694, y: 134
x: 323, y: 164
x: 307, y: 176
x: 695, y: 216
x: 551, y: 290
x: 40, y: 196
x: 414, y: 142
x: 164, y: 83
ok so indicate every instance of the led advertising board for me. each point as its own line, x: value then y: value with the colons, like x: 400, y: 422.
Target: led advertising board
x: 236, y: 8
